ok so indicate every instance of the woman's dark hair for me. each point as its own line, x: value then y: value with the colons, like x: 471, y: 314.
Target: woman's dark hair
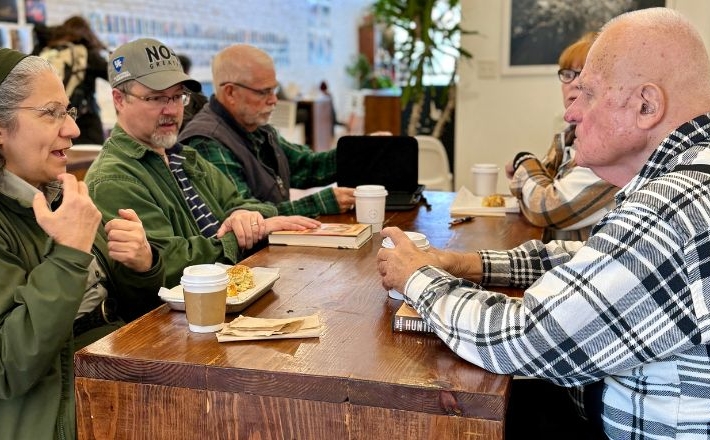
x: 77, y: 30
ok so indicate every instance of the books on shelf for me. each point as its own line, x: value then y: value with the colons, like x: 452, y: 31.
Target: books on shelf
x: 406, y: 319
x: 335, y: 235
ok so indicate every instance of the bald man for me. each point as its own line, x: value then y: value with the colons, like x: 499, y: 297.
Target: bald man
x: 233, y: 133
x: 629, y: 309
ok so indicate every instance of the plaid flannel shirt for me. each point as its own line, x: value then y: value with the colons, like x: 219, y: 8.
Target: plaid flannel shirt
x: 557, y: 194
x: 308, y: 169
x: 631, y: 306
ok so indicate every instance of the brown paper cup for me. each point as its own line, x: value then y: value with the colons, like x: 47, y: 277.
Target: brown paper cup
x: 205, y: 290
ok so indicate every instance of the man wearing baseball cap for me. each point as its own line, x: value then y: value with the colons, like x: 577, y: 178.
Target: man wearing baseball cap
x: 187, y: 206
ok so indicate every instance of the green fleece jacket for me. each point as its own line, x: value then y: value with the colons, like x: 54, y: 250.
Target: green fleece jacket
x: 41, y: 289
x: 127, y: 174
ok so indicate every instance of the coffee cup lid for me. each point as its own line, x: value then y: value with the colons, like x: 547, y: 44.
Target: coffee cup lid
x: 485, y: 167
x: 370, y: 191
x: 201, y: 274
x: 418, y: 238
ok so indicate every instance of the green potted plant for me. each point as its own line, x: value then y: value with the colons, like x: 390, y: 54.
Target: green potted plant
x: 364, y: 74
x: 430, y: 33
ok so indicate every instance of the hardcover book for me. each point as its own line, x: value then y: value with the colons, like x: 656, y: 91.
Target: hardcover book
x: 406, y: 319
x: 335, y: 235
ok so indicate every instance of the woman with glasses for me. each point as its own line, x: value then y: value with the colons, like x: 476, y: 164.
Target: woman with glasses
x: 555, y: 193
x: 66, y: 278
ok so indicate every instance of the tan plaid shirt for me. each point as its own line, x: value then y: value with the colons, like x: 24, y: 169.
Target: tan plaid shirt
x: 555, y: 193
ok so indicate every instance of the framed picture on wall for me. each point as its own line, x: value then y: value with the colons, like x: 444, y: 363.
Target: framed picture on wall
x: 8, y: 11
x: 35, y: 11
x: 536, y: 32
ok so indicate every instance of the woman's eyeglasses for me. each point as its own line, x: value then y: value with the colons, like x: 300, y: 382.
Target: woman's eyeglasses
x: 162, y: 100
x: 263, y: 93
x: 56, y: 113
x: 568, y: 75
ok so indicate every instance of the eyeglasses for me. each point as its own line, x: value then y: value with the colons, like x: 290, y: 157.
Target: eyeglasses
x: 263, y: 93
x: 161, y: 100
x: 568, y: 75
x: 56, y: 113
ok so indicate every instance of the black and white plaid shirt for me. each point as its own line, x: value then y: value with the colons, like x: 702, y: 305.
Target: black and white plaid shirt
x: 630, y: 306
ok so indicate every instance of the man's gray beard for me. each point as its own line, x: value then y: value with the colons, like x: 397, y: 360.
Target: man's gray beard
x: 164, y: 141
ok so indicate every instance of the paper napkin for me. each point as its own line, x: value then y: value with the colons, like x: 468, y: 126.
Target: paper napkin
x: 247, y: 328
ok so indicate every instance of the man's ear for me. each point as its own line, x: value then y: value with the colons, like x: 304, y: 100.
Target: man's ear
x: 118, y: 98
x: 652, y: 106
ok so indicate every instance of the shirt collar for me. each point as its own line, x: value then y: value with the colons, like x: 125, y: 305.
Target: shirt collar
x: 16, y: 188
x: 669, y: 153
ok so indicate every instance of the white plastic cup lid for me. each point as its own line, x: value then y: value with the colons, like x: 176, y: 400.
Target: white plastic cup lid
x: 418, y: 238
x: 485, y: 168
x: 204, y: 276
x: 370, y: 191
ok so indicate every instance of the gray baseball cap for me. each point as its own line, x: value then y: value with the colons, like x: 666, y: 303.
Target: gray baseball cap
x: 149, y: 62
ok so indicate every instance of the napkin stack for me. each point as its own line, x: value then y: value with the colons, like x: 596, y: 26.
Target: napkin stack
x: 247, y: 328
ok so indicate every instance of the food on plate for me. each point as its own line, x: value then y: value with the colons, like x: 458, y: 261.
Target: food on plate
x: 493, y: 201
x: 241, y: 278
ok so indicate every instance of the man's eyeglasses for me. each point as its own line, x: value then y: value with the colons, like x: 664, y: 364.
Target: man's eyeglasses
x: 56, y: 113
x: 568, y: 75
x: 161, y: 100
x: 263, y: 93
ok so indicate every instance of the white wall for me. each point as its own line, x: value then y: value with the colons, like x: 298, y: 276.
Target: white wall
x: 501, y: 116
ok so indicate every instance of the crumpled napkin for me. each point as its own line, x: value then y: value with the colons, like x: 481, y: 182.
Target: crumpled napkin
x: 248, y: 328
x: 466, y: 203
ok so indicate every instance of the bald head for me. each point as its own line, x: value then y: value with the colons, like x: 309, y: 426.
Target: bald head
x: 659, y: 46
x: 241, y: 63
x: 646, y: 74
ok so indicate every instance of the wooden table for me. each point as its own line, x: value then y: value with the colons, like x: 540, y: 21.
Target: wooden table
x: 154, y: 379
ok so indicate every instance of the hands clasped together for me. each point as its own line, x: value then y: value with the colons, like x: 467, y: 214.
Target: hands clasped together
x: 75, y: 222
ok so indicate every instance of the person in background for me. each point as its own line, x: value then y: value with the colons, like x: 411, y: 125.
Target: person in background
x: 67, y: 280
x: 187, y: 206
x: 233, y: 132
x: 630, y: 306
x: 77, y: 30
x: 197, y: 99
x: 554, y: 192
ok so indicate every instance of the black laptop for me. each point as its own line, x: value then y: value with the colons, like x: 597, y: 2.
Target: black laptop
x: 391, y: 161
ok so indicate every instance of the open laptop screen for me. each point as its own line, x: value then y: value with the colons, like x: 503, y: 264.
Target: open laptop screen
x: 391, y: 161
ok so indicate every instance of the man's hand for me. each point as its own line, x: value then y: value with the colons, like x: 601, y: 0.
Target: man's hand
x: 345, y: 198
x: 290, y: 223
x: 75, y: 221
x: 248, y: 226
x: 398, y: 264
x: 127, y: 242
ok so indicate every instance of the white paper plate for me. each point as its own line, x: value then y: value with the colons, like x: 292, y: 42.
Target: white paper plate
x: 466, y: 203
x: 264, y: 279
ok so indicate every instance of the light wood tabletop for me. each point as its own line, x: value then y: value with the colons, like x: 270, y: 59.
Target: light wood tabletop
x: 155, y: 379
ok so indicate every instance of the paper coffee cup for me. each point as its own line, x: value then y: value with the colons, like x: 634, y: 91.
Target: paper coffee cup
x: 485, y: 179
x: 370, y: 205
x: 422, y: 243
x: 205, y: 290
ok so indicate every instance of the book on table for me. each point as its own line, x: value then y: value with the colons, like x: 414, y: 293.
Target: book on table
x: 406, y: 319
x: 335, y: 235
